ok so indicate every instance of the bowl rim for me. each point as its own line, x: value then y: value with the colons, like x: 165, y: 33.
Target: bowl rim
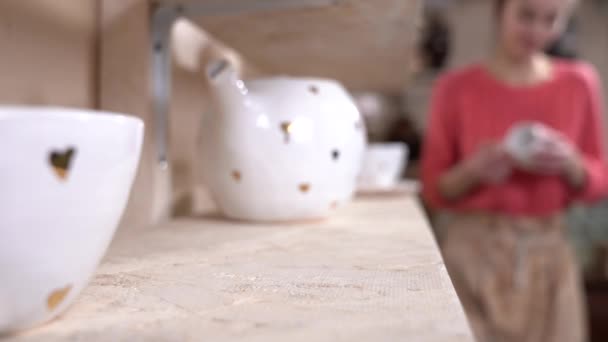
x: 16, y: 113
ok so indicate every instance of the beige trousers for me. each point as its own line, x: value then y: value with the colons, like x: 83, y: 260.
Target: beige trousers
x: 516, y: 278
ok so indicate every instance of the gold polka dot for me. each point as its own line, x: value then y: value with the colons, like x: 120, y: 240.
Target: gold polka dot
x: 56, y: 297
x: 236, y: 175
x: 334, y: 205
x: 314, y: 89
x: 304, y: 187
x: 286, y: 128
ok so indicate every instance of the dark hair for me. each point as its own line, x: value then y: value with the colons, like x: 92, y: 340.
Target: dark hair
x: 564, y: 46
x: 435, y: 42
x: 499, y: 5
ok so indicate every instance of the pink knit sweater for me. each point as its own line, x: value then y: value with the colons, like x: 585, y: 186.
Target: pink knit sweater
x: 471, y: 107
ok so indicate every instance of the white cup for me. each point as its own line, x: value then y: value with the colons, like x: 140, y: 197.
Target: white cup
x: 65, y: 176
x: 383, y: 164
x: 524, y: 138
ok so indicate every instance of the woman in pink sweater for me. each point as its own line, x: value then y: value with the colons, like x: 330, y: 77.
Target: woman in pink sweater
x: 503, y: 240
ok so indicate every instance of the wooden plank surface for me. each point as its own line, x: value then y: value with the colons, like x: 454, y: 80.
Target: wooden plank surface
x: 365, y: 44
x: 371, y: 273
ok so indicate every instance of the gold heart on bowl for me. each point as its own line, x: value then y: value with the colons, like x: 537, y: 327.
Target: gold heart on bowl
x: 61, y: 161
x: 56, y: 297
x: 304, y: 187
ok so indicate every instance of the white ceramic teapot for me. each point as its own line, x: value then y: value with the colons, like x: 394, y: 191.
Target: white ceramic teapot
x: 281, y: 148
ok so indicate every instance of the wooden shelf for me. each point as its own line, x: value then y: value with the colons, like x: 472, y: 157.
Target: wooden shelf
x: 371, y: 273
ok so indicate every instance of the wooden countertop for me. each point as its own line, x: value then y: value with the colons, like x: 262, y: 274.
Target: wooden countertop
x: 371, y: 273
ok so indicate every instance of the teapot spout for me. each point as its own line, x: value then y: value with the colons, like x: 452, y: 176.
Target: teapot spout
x: 229, y: 90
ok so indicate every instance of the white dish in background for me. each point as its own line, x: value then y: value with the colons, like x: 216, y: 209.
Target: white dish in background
x: 65, y: 176
x: 383, y: 165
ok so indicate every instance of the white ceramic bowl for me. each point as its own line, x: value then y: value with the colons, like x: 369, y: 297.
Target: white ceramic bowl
x: 65, y: 176
x: 383, y: 164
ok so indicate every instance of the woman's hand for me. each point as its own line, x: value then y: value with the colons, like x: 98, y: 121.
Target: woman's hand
x: 491, y: 164
x: 555, y: 155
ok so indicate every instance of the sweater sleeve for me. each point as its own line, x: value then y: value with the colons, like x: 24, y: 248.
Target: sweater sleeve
x: 439, y: 151
x: 591, y: 139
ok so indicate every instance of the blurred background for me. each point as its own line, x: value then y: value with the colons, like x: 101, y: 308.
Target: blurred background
x: 97, y: 54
